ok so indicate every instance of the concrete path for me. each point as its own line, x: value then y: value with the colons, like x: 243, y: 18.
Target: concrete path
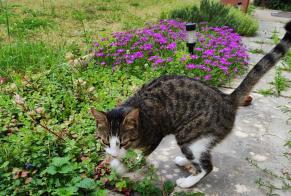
x: 260, y: 132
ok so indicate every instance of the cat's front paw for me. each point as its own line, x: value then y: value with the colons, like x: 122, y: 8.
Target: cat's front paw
x: 181, y: 161
x: 186, y: 182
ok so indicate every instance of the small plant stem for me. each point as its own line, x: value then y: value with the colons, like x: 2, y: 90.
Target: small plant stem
x: 42, y: 125
x: 7, y: 20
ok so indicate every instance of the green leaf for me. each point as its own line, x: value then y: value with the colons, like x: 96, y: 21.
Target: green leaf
x: 120, y: 185
x: 60, y: 161
x: 66, y: 191
x: 66, y: 169
x: 102, y: 192
x: 87, y: 183
x: 51, y: 170
x: 5, y: 164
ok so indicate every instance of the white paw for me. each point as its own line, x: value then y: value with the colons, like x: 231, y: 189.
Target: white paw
x: 181, y: 161
x: 185, y: 182
x: 190, y: 180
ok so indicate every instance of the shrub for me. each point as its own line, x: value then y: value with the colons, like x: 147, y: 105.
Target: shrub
x: 275, y: 4
x: 217, y: 14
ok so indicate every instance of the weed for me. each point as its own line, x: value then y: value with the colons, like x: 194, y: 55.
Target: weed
x: 268, y: 185
x: 260, y: 42
x: 134, y: 4
x: 266, y: 92
x: 280, y: 83
x: 287, y: 62
x: 275, y: 37
x: 257, y: 51
x: 32, y: 23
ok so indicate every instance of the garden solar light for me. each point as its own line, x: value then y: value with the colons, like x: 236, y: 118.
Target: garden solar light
x: 191, y: 37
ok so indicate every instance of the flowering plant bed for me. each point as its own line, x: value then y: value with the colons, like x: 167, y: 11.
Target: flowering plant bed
x: 219, y: 54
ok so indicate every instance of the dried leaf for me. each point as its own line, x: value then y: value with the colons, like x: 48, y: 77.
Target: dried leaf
x: 28, y: 180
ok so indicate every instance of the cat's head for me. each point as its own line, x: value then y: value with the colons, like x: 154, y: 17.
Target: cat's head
x: 118, y: 128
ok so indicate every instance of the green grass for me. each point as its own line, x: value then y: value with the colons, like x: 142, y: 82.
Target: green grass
x: 48, y: 28
x: 25, y: 56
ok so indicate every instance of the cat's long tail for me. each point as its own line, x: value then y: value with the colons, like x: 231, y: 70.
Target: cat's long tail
x: 262, y: 67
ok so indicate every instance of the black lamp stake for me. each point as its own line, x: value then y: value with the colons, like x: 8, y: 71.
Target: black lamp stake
x: 191, y: 37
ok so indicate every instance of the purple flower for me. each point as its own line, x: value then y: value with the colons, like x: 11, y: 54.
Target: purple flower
x: 96, y: 44
x: 153, y: 58
x: 208, y: 52
x: 146, y: 47
x: 169, y: 59
x: 120, y: 51
x: 158, y: 61
x: 171, y: 46
x: 207, y: 77
x: 193, y: 56
x: 99, y: 54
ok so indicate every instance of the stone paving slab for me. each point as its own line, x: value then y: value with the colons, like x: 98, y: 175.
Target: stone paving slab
x: 260, y: 132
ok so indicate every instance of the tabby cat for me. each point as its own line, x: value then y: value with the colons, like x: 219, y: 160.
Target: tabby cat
x: 198, y: 115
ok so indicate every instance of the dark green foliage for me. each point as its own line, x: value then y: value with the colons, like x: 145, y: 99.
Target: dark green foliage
x: 274, y: 4
x: 216, y: 14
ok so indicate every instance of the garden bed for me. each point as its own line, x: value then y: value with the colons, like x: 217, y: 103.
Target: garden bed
x: 47, y: 135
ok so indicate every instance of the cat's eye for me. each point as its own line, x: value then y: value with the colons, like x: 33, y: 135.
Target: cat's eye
x: 124, y: 143
x: 104, y: 142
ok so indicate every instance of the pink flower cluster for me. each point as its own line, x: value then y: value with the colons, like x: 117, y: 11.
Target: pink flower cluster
x: 219, y: 50
x: 155, y: 44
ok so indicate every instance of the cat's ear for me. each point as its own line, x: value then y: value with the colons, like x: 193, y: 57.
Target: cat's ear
x: 100, y: 117
x: 131, y: 119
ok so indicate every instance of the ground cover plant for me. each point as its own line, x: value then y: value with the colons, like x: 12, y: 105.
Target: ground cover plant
x: 46, y: 133
x: 216, y: 14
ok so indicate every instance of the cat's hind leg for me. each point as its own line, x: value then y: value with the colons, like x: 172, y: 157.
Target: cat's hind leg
x: 198, y: 153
